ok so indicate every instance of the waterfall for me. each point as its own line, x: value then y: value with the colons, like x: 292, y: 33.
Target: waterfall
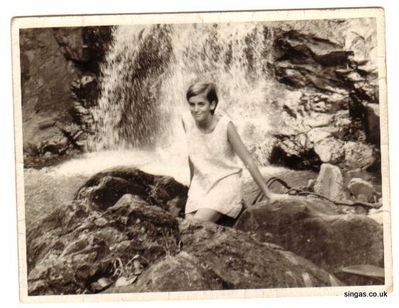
x: 149, y: 68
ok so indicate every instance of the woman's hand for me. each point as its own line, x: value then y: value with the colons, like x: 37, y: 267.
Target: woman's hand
x: 274, y: 197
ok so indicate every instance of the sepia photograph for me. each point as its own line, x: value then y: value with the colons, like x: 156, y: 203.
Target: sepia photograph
x: 202, y: 155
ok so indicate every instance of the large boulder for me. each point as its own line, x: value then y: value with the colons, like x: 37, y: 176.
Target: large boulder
x: 240, y: 261
x: 316, y: 231
x: 182, y: 272
x: 219, y: 258
x: 86, y: 245
x: 77, y: 249
x: 105, y: 188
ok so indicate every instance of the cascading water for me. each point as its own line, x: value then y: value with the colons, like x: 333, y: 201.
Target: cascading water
x: 128, y: 110
x: 145, y: 77
x: 149, y: 68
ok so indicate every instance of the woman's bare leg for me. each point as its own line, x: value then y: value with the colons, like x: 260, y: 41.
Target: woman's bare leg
x: 189, y: 215
x: 207, y: 215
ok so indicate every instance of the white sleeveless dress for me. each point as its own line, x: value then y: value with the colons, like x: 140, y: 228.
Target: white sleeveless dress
x: 216, y: 183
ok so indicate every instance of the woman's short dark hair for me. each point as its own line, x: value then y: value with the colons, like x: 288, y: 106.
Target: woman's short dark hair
x: 208, y: 89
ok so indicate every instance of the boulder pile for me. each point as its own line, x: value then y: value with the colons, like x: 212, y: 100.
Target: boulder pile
x: 124, y: 232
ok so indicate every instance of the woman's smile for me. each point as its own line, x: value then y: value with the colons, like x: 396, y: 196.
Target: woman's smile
x: 200, y: 108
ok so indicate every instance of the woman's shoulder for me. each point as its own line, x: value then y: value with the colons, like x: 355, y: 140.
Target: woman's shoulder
x: 226, y: 119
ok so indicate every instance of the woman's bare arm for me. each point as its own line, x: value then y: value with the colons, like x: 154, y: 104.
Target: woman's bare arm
x: 242, y: 152
x: 190, y: 164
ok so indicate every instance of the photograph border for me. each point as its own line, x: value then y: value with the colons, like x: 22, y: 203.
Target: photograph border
x: 199, y: 17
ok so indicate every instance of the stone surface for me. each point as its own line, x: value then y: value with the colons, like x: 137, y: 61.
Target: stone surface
x: 315, y: 230
x: 116, y: 215
x: 329, y: 150
x: 329, y: 182
x: 105, y: 188
x: 52, y: 59
x: 75, y: 246
x: 181, y: 272
x: 45, y: 72
x: 241, y: 261
x: 361, y: 190
x: 219, y: 258
x: 358, y: 155
x: 373, y: 123
x: 337, y: 98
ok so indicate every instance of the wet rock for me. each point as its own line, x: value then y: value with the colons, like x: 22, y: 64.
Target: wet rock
x: 329, y: 183
x: 316, y: 135
x: 373, y: 123
x: 315, y: 230
x: 85, y: 46
x: 337, y: 104
x: 105, y: 188
x: 362, y: 274
x: 51, y: 60
x: 358, y: 155
x: 85, y: 90
x: 71, y: 43
x: 46, y: 97
x: 77, y: 249
x: 319, y: 119
x: 294, y: 152
x: 361, y: 190
x: 329, y: 150
x: 182, y: 272
x: 240, y: 261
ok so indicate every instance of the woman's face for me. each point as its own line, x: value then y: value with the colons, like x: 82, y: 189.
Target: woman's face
x: 200, y: 107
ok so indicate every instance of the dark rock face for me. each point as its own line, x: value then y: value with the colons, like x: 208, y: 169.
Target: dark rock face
x: 316, y: 231
x: 55, y: 123
x: 45, y: 99
x: 85, y: 46
x: 338, y: 106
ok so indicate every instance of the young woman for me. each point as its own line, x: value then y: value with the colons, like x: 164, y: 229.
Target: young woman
x: 213, y: 144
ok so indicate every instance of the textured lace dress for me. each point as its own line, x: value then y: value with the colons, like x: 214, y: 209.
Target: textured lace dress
x: 216, y: 183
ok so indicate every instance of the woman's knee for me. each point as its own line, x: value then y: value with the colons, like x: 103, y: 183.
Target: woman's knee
x: 207, y: 215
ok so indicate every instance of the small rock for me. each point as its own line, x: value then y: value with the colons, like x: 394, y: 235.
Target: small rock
x: 358, y: 155
x: 311, y: 184
x: 123, y: 281
x: 329, y: 150
x: 101, y: 284
x: 319, y: 119
x: 361, y: 189
x: 329, y: 183
x: 318, y: 134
